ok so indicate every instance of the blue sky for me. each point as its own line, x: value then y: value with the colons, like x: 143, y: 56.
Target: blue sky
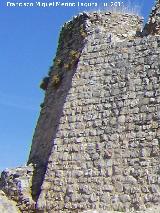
x: 28, y: 42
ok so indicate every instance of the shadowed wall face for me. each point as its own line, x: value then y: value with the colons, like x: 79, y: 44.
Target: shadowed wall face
x: 59, y: 82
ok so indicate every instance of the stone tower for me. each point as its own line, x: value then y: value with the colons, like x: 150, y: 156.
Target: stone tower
x: 74, y: 39
x: 97, y: 140
x: 96, y: 145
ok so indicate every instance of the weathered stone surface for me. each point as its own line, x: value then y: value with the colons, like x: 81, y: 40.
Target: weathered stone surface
x: 17, y: 183
x: 111, y: 116
x: 97, y: 141
x: 149, y: 210
x: 7, y: 205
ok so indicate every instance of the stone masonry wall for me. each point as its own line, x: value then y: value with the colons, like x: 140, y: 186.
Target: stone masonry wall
x: 96, y: 147
x: 106, y: 150
x: 68, y: 52
x: 73, y: 38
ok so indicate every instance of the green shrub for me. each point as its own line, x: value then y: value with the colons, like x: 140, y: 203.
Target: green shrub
x: 44, y: 83
x: 56, y: 79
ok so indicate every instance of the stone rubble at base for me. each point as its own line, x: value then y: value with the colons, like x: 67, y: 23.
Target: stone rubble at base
x: 16, y: 184
x: 6, y: 205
